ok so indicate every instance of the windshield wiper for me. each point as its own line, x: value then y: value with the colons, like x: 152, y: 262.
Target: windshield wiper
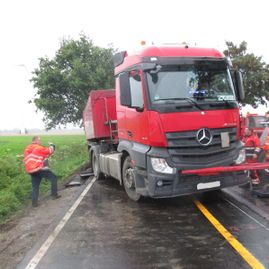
x: 191, y: 101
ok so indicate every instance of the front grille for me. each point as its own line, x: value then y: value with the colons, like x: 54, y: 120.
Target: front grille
x: 184, y: 148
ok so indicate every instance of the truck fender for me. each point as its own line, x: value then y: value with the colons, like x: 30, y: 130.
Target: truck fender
x: 137, y: 152
x: 91, y: 149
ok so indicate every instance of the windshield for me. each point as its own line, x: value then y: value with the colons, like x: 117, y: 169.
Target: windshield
x: 201, y: 81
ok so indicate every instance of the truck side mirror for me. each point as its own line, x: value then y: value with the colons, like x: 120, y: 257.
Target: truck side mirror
x: 125, y: 90
x: 239, y: 85
x: 118, y: 58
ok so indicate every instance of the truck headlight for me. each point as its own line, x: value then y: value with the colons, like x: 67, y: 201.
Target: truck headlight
x: 160, y: 165
x: 241, y: 157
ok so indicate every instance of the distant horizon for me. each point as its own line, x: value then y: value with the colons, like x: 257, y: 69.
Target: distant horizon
x: 37, y: 131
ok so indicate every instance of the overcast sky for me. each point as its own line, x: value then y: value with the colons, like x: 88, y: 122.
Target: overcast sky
x: 31, y: 29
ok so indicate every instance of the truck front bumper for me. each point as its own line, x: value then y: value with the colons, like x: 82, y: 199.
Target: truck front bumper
x: 188, y: 184
x: 157, y: 185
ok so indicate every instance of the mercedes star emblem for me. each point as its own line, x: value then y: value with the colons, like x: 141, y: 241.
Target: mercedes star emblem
x: 204, y: 137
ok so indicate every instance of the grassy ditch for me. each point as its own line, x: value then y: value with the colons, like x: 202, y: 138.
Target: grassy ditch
x: 15, y: 184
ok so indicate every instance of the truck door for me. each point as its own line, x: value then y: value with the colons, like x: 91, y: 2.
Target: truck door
x: 135, y: 114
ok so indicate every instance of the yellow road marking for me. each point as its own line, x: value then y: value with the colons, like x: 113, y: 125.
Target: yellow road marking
x: 245, y: 254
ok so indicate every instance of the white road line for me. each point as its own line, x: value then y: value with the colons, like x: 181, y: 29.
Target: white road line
x: 262, y: 225
x: 44, y: 248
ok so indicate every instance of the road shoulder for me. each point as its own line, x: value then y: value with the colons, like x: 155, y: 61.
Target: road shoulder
x: 26, y: 229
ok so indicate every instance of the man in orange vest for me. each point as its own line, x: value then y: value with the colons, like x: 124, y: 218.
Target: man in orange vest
x: 36, y: 164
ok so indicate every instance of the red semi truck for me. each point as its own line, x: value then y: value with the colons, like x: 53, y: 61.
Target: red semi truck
x: 171, y: 126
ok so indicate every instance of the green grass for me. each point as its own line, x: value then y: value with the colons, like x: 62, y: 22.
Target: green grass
x: 15, y: 183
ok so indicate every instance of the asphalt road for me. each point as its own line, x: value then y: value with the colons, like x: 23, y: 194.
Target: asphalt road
x: 107, y: 230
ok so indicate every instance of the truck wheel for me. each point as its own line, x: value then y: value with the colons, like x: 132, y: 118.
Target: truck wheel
x: 128, y: 178
x: 96, y: 167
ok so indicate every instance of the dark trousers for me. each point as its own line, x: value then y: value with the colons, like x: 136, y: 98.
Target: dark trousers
x: 36, y: 179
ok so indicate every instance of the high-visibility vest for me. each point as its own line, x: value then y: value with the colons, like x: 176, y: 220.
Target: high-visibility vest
x: 34, y: 157
x: 252, y: 145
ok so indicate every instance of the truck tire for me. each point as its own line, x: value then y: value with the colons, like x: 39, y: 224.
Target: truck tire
x: 96, y: 166
x: 128, y: 180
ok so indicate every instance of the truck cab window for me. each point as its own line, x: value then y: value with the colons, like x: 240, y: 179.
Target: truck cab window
x: 209, y: 80
x: 136, y: 91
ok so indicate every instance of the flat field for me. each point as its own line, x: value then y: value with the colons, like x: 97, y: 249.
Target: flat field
x: 15, y: 184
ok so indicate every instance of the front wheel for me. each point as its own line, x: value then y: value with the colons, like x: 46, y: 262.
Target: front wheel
x: 128, y: 178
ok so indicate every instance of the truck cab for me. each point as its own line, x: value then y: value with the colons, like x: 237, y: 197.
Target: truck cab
x: 178, y: 124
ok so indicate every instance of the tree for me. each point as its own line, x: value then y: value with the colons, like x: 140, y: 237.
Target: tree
x: 63, y: 83
x: 255, y: 73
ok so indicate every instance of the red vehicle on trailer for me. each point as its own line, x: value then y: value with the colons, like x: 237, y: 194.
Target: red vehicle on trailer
x: 171, y: 127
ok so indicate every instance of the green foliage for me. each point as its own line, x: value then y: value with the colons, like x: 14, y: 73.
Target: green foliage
x: 15, y: 184
x: 255, y: 73
x: 64, y: 82
x: 8, y: 204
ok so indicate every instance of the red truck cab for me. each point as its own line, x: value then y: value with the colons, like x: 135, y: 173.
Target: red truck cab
x: 178, y: 123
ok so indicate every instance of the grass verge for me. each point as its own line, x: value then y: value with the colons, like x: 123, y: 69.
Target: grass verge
x: 15, y: 184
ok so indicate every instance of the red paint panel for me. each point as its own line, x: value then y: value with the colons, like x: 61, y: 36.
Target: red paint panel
x: 132, y: 125
x: 180, y: 51
x: 153, y: 129
x: 100, y: 108
x: 186, y: 121
x: 159, y: 124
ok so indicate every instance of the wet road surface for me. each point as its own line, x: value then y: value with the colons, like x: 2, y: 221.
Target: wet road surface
x: 107, y: 230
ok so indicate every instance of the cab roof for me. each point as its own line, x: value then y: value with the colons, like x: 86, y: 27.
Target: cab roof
x: 134, y: 58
